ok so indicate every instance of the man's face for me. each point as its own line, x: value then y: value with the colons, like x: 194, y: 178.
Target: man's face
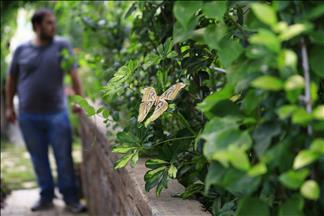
x: 47, y: 28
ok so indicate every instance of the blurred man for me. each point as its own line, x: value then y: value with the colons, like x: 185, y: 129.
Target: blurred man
x: 35, y: 73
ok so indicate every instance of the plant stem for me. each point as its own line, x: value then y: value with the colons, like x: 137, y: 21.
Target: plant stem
x: 184, y: 121
x: 245, y: 37
x: 219, y: 70
x: 174, y: 139
x: 307, y: 97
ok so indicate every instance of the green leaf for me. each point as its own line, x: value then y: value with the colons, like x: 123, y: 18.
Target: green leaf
x: 172, y: 171
x: 319, y: 126
x: 162, y: 184
x: 215, y: 9
x: 122, y: 162
x: 83, y: 103
x: 213, y: 129
x: 126, y: 137
x: 318, y: 112
x: 223, y: 139
x: 67, y: 60
x: 185, y: 10
x: 226, y: 54
x: 239, y: 183
x: 215, y: 173
x: 210, y: 101
x: 315, y: 12
x: 234, y: 155
x: 286, y: 111
x: 101, y: 109
x: 317, y: 36
x: 192, y: 190
x: 293, y: 31
x: 123, y: 149
x: 105, y: 113
x: 181, y: 33
x: 258, y: 169
x: 239, y: 159
x: 121, y: 77
x: 304, y: 158
x: 155, y: 163
x: 251, y: 101
x: 151, y: 173
x: 318, y: 146
x: 264, y: 13
x: 256, y: 52
x: 316, y: 60
x: 172, y: 54
x: 300, y: 116
x: 287, y: 58
x: 267, y: 82
x: 153, y: 177
x: 310, y: 190
x: 221, y: 156
x: 167, y: 48
x: 213, y: 34
x: 151, y: 59
x: 293, y: 179
x: 131, y: 66
x: 235, y: 181
x: 252, y: 206
x: 294, y: 95
x: 280, y: 27
x: 313, y: 91
x: 293, y: 206
x: 266, y: 38
x: 224, y: 108
x: 263, y: 135
x: 278, y: 153
x: 134, y: 159
x: 219, y: 124
x: 294, y: 82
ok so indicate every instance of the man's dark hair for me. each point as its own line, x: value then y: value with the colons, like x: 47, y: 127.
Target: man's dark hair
x: 39, y: 15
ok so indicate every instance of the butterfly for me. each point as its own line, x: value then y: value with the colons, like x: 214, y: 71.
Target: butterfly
x: 150, y: 98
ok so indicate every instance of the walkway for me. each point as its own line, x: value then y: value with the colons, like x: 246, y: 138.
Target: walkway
x: 18, y: 204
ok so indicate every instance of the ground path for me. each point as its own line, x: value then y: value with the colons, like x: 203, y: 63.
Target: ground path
x: 19, y: 201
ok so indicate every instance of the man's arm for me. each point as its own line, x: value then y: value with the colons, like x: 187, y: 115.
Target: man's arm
x: 76, y: 83
x: 11, y: 85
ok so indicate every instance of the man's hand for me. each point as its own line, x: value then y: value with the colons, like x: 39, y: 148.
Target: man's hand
x: 11, y: 115
x: 76, y: 109
x: 11, y: 83
x: 77, y: 89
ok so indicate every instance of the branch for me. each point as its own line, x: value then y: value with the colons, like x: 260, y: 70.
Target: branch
x: 174, y: 139
x: 217, y: 69
x: 307, y: 97
x: 245, y: 37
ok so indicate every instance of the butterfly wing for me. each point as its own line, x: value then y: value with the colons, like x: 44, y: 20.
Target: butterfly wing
x: 144, y: 109
x: 172, y: 92
x: 160, y: 108
x: 149, y: 94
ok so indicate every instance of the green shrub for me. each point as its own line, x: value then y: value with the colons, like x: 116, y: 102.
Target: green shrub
x: 246, y: 135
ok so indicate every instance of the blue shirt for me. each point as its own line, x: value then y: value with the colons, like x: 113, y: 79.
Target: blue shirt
x: 39, y: 76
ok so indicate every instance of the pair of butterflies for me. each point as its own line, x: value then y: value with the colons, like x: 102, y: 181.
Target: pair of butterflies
x: 150, y: 98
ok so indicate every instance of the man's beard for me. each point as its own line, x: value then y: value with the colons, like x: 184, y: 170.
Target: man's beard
x: 46, y: 37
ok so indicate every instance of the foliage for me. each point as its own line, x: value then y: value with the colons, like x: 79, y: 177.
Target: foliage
x: 242, y: 141
x: 8, y: 11
x: 241, y: 137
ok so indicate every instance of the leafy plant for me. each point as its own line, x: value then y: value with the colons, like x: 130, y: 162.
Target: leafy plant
x: 246, y: 135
